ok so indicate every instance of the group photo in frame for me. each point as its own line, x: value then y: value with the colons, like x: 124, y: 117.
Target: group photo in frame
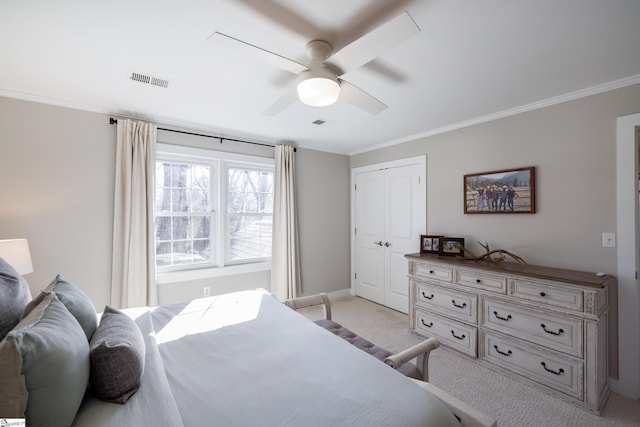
x: 452, y: 246
x: 508, y: 191
x: 430, y: 244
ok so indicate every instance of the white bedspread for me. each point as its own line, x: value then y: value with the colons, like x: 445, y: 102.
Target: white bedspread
x: 245, y: 359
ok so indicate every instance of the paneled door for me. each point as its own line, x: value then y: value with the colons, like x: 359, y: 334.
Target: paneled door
x: 389, y: 215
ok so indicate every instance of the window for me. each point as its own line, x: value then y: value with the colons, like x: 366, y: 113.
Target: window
x: 184, y: 220
x: 249, y: 213
x: 212, y: 209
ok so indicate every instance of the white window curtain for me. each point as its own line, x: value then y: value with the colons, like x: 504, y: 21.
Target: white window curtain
x: 285, y: 260
x: 133, y: 281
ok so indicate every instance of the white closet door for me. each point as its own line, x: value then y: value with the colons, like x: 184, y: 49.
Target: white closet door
x: 405, y: 217
x: 369, y: 235
x: 389, y: 215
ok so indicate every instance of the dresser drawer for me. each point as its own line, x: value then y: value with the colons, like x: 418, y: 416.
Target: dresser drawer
x: 480, y: 280
x: 550, y: 294
x: 560, y: 333
x: 433, y: 271
x: 449, y: 332
x: 546, y: 367
x: 459, y: 305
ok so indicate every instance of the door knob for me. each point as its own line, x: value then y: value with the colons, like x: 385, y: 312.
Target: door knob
x: 387, y: 244
x: 379, y: 243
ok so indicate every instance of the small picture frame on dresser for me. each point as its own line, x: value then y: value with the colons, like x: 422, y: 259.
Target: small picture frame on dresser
x: 430, y: 244
x: 452, y: 246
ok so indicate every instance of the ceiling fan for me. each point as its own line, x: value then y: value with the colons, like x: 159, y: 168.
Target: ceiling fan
x: 319, y: 82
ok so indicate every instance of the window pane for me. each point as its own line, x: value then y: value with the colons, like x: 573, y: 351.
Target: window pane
x: 236, y: 223
x: 179, y: 200
x: 181, y: 228
x: 163, y: 228
x: 163, y: 254
x: 178, y: 175
x: 250, y: 191
x: 201, y: 177
x: 250, y: 202
x: 199, y: 200
x: 201, y: 227
x: 251, y: 236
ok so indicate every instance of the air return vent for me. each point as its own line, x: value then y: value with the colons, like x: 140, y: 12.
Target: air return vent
x: 150, y: 80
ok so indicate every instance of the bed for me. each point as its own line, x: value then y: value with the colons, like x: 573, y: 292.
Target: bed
x: 240, y: 359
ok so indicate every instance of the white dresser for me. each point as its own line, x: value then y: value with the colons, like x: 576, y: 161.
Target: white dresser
x: 547, y: 327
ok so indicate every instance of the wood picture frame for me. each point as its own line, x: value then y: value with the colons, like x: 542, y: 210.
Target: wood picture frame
x: 430, y: 244
x: 507, y: 191
x: 452, y: 246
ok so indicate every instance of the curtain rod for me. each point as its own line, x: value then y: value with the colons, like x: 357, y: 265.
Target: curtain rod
x: 113, y: 121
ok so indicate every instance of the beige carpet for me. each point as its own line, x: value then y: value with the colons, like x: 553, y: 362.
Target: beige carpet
x: 509, y: 402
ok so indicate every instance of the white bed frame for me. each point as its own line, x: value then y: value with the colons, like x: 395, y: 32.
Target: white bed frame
x: 468, y: 415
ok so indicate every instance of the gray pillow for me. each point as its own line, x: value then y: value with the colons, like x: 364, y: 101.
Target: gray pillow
x: 76, y: 301
x: 117, y: 357
x: 14, y: 296
x: 44, y: 366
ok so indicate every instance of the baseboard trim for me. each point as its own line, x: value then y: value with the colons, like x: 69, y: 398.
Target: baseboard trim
x: 340, y: 293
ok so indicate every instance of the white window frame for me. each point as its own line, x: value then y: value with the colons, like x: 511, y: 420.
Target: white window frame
x: 220, y: 162
x: 229, y: 164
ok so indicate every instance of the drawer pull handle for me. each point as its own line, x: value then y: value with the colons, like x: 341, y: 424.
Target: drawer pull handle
x: 506, y: 319
x: 464, y: 304
x: 478, y: 280
x: 558, y: 372
x: 428, y: 326
x: 427, y: 297
x: 542, y: 294
x: 508, y: 353
x: 560, y: 331
x: 458, y: 337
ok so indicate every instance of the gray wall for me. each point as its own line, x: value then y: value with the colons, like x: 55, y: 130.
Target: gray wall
x: 323, y: 210
x: 57, y: 178
x: 58, y: 174
x: 572, y: 145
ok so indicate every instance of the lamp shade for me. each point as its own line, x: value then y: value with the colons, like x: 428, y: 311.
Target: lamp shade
x: 16, y: 253
x: 318, y: 88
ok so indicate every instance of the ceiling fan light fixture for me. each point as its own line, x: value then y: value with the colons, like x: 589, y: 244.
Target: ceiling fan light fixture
x: 318, y: 89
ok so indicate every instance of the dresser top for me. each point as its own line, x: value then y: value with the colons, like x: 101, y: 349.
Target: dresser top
x: 557, y: 274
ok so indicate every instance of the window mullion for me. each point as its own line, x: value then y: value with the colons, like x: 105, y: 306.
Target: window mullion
x: 220, y: 214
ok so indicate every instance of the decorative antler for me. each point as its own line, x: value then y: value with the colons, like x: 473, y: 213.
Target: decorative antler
x: 487, y: 256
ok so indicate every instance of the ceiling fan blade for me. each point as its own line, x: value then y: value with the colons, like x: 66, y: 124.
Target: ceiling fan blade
x: 290, y: 96
x: 284, y: 17
x: 359, y: 98
x: 375, y: 42
x: 246, y: 49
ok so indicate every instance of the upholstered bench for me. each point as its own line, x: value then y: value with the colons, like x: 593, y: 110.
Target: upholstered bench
x: 400, y: 361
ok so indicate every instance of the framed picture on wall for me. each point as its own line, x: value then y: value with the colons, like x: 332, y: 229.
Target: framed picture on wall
x: 452, y: 246
x: 430, y: 244
x: 508, y: 191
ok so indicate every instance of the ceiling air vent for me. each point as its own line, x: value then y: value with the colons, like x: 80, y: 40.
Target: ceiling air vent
x: 150, y: 80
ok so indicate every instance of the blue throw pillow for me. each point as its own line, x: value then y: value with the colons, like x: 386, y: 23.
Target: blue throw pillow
x: 44, y: 366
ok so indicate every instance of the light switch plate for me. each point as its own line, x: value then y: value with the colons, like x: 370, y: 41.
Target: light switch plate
x: 608, y: 240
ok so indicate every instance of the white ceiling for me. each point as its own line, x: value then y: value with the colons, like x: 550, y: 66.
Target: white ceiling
x: 472, y: 60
